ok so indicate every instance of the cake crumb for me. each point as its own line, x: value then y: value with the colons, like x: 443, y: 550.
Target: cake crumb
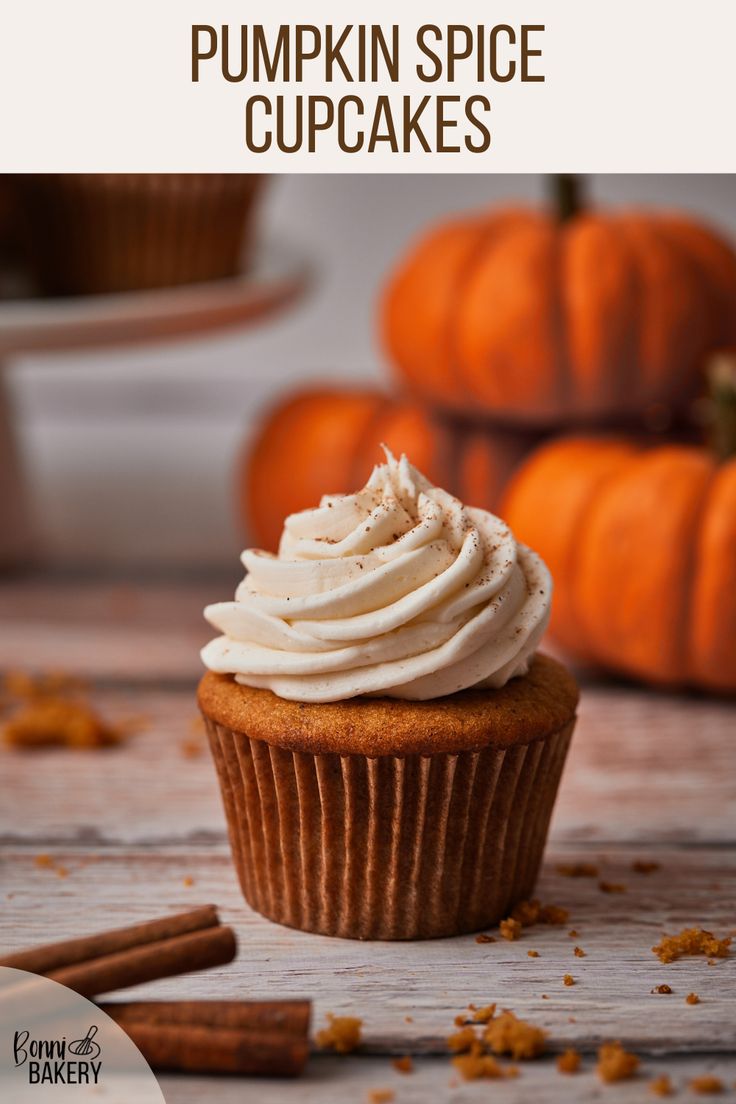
x: 642, y: 866
x: 573, y: 934
x: 460, y: 1020
x: 661, y: 1086
x: 54, y: 722
x: 554, y: 914
x: 707, y: 1085
x: 405, y: 1064
x: 188, y: 881
x: 568, y: 980
x: 484, y: 938
x: 462, y: 1040
x: 578, y: 952
x: 531, y: 912
x: 691, y: 941
x: 612, y: 887
x: 472, y: 1067
x: 484, y: 1014
x: 381, y: 1096
x: 342, y: 1033
x: 662, y: 989
x: 191, y: 747
x: 48, y: 862
x: 510, y: 929
x: 615, y: 1063
x: 692, y: 998
x: 569, y: 1061
x: 506, y: 1034
x: 533, y: 954
x: 577, y: 870
x: 408, y: 1019
x: 52, y: 710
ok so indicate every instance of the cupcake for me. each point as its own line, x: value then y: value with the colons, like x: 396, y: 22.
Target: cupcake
x: 388, y: 742
x: 106, y: 232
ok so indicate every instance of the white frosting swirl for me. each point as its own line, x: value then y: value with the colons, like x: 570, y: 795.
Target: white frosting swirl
x: 398, y: 590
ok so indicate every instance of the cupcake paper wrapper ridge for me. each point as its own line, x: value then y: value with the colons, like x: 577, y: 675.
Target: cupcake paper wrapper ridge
x: 391, y: 847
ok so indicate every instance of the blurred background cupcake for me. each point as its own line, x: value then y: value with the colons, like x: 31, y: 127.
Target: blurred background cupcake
x: 91, y: 233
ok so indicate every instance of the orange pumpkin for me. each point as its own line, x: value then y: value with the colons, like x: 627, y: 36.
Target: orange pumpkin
x: 327, y: 439
x: 641, y: 543
x: 533, y: 318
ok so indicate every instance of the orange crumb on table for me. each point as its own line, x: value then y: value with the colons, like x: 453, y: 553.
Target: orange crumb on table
x: 191, y: 747
x: 463, y: 1039
x: 408, y: 1019
x: 341, y: 1034
x: 642, y: 866
x: 661, y: 1086
x: 544, y: 996
x: 472, y: 1067
x: 573, y: 933
x: 578, y: 952
x: 188, y: 881
x: 612, y: 887
x: 568, y: 980
x: 615, y: 1063
x: 526, y: 913
x: 506, y: 1034
x: 51, y: 722
x: 381, y: 1096
x: 459, y: 1020
x: 22, y: 685
x: 662, y: 989
x: 578, y: 870
x: 707, y: 1085
x: 569, y: 1061
x: 484, y: 938
x: 404, y: 1064
x: 533, y: 912
x: 484, y: 1014
x: 533, y: 954
x: 47, y: 862
x: 691, y: 941
x: 692, y: 998
x: 554, y: 914
x: 510, y: 929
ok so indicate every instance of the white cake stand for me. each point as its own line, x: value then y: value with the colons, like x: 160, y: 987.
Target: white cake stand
x: 274, y: 280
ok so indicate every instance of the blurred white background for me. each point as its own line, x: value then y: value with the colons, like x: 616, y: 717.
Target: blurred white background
x: 130, y: 454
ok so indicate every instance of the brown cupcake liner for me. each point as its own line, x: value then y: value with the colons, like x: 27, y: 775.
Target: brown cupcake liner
x: 90, y: 233
x: 391, y: 847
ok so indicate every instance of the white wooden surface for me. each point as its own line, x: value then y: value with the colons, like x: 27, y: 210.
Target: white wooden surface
x: 649, y: 776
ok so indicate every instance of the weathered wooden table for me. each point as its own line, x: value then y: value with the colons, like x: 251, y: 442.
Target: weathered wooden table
x: 139, y: 831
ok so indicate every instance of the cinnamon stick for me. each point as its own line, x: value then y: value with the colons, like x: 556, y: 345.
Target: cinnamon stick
x: 196, y: 950
x: 289, y: 1017
x: 201, y: 1049
x: 57, y: 956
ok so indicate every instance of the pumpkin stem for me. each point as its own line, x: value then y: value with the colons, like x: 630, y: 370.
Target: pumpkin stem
x: 567, y: 194
x: 722, y: 381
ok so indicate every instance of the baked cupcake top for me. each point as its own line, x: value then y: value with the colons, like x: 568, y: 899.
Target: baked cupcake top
x: 399, y: 591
